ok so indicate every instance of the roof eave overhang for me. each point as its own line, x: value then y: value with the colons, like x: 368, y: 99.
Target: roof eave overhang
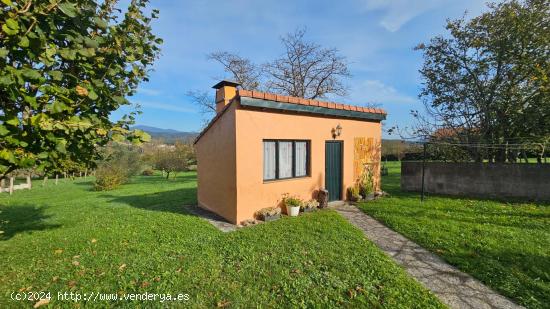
x: 268, y: 104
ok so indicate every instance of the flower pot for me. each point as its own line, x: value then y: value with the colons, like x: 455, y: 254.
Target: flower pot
x: 293, y: 211
x: 369, y: 197
x: 268, y: 218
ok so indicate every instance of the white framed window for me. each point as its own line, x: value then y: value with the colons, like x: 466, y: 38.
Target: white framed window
x: 285, y: 159
x: 269, y: 160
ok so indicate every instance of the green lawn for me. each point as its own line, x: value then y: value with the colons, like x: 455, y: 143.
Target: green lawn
x: 140, y: 239
x: 505, y: 245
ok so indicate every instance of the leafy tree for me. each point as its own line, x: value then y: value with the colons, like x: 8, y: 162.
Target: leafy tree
x: 65, y: 66
x: 488, y: 82
x: 174, y: 159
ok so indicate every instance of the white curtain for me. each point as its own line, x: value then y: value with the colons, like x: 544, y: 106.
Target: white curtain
x: 269, y: 160
x: 301, y: 159
x: 285, y: 159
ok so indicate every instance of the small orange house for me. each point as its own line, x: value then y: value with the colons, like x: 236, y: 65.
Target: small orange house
x: 262, y: 145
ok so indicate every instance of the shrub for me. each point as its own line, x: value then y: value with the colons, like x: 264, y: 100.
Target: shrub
x: 353, y: 194
x: 148, y: 172
x: 268, y: 212
x: 311, y: 204
x: 109, y: 177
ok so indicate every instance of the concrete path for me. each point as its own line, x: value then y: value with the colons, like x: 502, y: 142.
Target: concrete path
x: 453, y: 287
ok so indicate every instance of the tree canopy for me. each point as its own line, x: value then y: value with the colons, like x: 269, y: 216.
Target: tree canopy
x: 65, y: 66
x: 488, y: 81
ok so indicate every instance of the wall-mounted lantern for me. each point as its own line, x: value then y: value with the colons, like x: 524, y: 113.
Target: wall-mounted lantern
x: 336, y: 131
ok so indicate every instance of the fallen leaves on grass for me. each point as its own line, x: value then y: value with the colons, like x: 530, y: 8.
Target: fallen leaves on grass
x: 223, y: 303
x: 58, y: 251
x: 122, y: 267
x: 41, y: 302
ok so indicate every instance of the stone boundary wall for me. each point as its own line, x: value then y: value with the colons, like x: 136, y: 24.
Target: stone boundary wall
x: 493, y: 180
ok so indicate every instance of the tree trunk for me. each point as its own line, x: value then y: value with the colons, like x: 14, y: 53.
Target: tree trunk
x: 56, y: 178
x: 2, y: 184
x: 29, y: 182
x: 167, y: 175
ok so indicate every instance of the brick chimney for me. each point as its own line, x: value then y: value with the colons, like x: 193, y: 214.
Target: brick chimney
x: 225, y: 91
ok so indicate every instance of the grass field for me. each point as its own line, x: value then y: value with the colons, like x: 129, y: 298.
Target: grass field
x: 137, y: 239
x: 505, y: 245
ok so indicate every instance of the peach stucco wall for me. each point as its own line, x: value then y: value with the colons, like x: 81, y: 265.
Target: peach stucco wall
x: 253, y: 126
x: 216, y: 167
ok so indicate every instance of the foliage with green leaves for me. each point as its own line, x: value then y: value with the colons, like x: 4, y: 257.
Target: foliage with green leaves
x: 65, y: 66
x: 173, y: 159
x: 291, y: 200
x: 366, y: 182
x: 488, y: 81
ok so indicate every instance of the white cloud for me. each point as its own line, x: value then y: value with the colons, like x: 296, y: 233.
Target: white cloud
x: 166, y: 107
x: 396, y: 13
x: 375, y: 91
x: 149, y: 92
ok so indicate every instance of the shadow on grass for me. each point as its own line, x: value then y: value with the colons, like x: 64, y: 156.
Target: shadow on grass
x: 167, y: 201
x: 23, y: 218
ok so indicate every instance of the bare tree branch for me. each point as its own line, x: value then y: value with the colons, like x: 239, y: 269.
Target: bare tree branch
x: 243, y: 70
x: 205, y: 102
x: 306, y: 69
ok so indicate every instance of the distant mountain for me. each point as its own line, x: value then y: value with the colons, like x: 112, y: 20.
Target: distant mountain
x: 156, y: 130
x: 169, y: 136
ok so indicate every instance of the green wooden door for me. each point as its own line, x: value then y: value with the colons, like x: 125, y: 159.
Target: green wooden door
x: 333, y: 170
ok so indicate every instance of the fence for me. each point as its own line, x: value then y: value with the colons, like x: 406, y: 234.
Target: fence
x: 13, y: 187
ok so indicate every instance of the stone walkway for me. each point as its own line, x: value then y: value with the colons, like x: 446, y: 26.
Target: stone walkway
x: 453, y: 287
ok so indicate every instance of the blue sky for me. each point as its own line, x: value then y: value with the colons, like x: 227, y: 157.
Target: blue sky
x: 376, y: 36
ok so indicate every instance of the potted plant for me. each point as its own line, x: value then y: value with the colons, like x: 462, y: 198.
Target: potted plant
x: 353, y: 194
x: 310, y: 205
x: 292, y: 204
x: 366, y: 185
x: 269, y: 213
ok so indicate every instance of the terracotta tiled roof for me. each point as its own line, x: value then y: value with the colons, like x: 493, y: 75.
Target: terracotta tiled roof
x: 310, y: 102
x: 291, y: 100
